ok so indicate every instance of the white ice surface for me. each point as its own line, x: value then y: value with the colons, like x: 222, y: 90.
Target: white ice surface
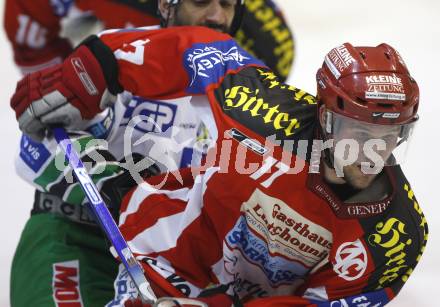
x: 412, y: 27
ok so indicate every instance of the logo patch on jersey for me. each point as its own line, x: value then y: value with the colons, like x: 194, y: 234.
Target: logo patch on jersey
x: 66, y: 284
x: 243, y: 139
x: 276, y: 238
x: 373, y: 299
x: 244, y: 243
x: 157, y: 116
x: 101, y: 129
x: 290, y: 233
x: 351, y: 260
x: 283, y: 111
x: 394, y: 241
x: 208, y: 63
x: 32, y: 153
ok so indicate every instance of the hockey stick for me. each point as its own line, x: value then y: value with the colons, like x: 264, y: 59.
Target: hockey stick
x: 104, y: 218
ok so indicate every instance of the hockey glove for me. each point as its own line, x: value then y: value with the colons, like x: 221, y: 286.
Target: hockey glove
x: 79, y: 88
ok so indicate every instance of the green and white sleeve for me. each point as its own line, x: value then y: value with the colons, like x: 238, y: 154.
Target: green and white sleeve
x: 43, y: 165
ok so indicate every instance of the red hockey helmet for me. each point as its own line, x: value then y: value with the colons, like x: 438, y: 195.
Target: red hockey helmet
x: 368, y: 93
x: 371, y: 84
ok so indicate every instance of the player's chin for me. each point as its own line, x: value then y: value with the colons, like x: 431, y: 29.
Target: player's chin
x: 354, y: 176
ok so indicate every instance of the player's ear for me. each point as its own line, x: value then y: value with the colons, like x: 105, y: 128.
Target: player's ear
x: 163, y: 7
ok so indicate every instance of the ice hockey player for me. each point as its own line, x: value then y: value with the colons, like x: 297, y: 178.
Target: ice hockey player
x: 266, y: 221
x: 73, y: 252
x: 68, y: 236
x: 36, y: 28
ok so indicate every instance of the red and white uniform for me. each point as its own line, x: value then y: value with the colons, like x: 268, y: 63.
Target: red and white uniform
x: 33, y: 27
x: 256, y: 216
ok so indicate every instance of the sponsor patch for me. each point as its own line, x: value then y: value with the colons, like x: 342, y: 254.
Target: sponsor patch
x: 290, y: 233
x: 253, y: 145
x: 254, y: 249
x: 208, y: 63
x: 337, y: 60
x: 385, y: 96
x: 255, y: 106
x: 156, y: 116
x: 83, y: 76
x: 66, y: 284
x: 391, y: 80
x: 251, y: 288
x: 373, y: 299
x: 32, y: 153
x: 396, y: 244
x: 387, y: 87
x: 389, y: 115
x: 101, y: 129
x: 273, y: 236
x: 350, y: 260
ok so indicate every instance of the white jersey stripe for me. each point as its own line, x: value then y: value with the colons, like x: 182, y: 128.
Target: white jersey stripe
x: 143, y: 191
x: 164, y: 234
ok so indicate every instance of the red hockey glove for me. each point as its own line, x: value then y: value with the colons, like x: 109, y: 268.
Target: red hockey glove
x: 62, y: 94
x: 217, y: 300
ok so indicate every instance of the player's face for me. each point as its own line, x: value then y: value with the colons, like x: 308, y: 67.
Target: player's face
x: 215, y: 14
x: 367, y: 138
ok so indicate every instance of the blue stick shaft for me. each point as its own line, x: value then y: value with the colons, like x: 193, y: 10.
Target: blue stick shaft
x: 104, y: 217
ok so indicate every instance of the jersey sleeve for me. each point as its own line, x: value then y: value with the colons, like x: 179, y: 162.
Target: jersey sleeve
x: 175, y: 62
x: 43, y: 166
x: 33, y: 28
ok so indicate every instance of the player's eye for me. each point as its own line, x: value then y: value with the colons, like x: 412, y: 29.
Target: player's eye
x: 227, y: 3
x: 201, y: 2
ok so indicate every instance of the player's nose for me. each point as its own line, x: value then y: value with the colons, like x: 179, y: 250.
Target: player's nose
x: 216, y: 14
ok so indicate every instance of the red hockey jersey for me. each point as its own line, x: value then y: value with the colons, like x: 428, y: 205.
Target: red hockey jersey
x: 257, y: 216
x: 33, y: 28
